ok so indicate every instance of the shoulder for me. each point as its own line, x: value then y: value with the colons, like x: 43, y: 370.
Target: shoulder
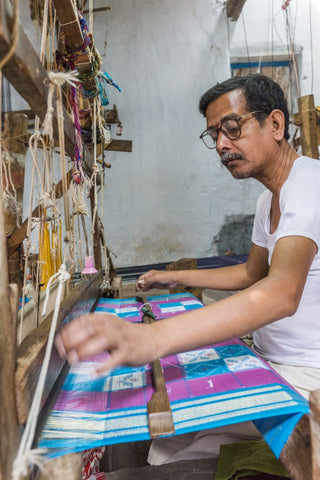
x: 303, y: 180
x: 305, y: 166
x: 264, y: 200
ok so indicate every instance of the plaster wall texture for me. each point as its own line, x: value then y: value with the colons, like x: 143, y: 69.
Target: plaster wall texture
x: 170, y: 198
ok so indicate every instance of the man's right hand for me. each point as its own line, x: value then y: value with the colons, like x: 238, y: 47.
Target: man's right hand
x: 156, y: 279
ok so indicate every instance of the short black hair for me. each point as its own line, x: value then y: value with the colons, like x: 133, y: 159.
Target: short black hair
x: 261, y: 93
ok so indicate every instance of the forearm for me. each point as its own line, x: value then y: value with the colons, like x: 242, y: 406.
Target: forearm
x: 227, y: 278
x: 232, y: 317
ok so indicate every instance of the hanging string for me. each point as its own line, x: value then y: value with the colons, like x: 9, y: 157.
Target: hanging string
x: 105, y: 134
x: 91, y: 15
x: 45, y: 199
x: 26, y: 457
x: 105, y: 283
x: 57, y: 80
x: 44, y: 31
x: 311, y: 43
x: 95, y: 171
x: 9, y: 194
x: 33, y: 149
x: 292, y: 52
x: 246, y: 39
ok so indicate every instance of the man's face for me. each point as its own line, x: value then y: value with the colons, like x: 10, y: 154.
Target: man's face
x: 246, y: 156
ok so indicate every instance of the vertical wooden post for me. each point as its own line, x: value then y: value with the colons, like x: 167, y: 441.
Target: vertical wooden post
x: 308, y: 126
x: 315, y: 432
x: 96, y: 236
x: 15, y: 129
x: 9, y: 432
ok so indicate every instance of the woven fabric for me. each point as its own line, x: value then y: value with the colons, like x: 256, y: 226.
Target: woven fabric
x: 208, y: 387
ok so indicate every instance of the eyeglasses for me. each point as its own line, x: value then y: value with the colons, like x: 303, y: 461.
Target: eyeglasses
x: 230, y: 127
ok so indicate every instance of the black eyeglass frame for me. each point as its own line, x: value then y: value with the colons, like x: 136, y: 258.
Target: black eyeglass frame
x: 220, y: 129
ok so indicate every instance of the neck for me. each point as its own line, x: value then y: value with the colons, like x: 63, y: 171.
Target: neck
x: 278, y: 168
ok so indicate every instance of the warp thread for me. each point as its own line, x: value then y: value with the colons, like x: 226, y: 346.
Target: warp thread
x: 26, y: 456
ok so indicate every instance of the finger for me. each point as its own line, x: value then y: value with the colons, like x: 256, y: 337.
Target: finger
x: 91, y: 346
x: 60, y: 346
x: 140, y: 284
x: 146, y: 288
x: 113, y: 361
x: 74, y: 333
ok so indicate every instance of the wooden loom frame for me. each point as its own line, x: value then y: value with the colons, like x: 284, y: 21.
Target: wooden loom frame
x: 19, y: 369
x: 21, y: 366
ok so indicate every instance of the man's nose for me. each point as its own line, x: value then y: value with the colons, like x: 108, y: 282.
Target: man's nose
x: 223, y: 142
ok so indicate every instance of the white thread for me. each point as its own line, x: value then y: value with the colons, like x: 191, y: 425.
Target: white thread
x: 96, y: 170
x: 57, y: 79
x: 105, y: 286
x: 28, y: 290
x: 29, y: 223
x: 26, y: 457
x: 35, y: 222
x: 46, y: 200
x: 47, y: 126
x: 34, y: 457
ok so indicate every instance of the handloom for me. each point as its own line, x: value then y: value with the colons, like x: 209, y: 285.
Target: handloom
x: 159, y: 411
x: 209, y: 387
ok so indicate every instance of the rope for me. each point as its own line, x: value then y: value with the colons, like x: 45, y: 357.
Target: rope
x: 95, y: 171
x: 26, y: 457
x: 57, y: 80
x: 44, y: 31
x: 45, y: 198
x: 9, y: 194
x: 292, y: 53
x: 32, y: 146
x: 91, y: 15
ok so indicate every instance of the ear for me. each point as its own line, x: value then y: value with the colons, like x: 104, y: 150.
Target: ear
x: 277, y: 122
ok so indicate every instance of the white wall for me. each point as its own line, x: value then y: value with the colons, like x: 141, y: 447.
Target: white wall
x: 170, y: 196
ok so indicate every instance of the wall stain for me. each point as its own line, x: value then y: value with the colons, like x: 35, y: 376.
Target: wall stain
x: 159, y: 245
x: 234, y: 237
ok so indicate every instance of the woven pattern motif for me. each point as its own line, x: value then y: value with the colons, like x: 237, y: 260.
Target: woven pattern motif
x: 208, y: 387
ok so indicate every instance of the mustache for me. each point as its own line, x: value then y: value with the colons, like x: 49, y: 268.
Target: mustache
x: 228, y: 156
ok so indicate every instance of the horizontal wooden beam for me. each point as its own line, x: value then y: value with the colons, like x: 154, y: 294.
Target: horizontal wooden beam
x: 20, y: 233
x: 97, y: 10
x: 119, y: 145
x: 28, y: 113
x: 234, y: 9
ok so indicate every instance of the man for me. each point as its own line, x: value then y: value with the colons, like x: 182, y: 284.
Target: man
x: 279, y: 297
